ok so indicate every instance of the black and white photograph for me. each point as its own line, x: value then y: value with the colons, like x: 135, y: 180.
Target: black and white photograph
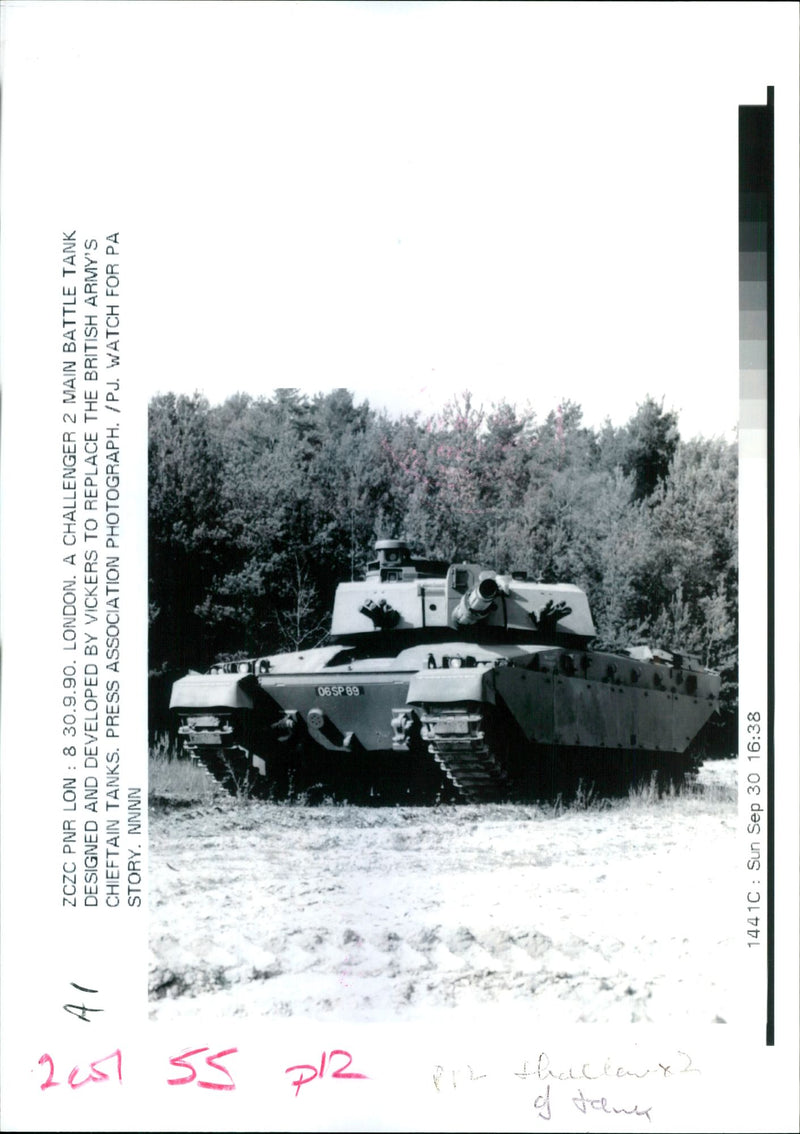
x: 400, y: 469
x: 462, y: 770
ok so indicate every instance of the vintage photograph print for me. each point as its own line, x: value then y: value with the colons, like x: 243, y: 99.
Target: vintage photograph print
x: 399, y: 576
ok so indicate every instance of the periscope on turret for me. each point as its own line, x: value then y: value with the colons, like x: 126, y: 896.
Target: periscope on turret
x: 448, y: 680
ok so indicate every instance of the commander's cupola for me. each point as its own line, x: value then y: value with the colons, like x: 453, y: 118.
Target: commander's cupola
x: 393, y: 564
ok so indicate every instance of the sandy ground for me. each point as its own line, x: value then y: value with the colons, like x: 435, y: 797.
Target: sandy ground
x: 613, y: 915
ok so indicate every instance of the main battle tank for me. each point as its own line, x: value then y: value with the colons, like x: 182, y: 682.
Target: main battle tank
x: 447, y: 681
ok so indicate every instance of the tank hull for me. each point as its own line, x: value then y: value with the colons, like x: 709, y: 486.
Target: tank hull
x: 461, y: 720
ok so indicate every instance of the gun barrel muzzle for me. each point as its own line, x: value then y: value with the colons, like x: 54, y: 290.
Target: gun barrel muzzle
x: 478, y: 602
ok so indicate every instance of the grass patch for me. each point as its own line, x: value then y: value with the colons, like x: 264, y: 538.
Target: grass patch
x: 176, y: 780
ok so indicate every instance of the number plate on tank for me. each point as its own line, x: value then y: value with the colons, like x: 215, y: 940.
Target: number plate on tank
x: 339, y: 690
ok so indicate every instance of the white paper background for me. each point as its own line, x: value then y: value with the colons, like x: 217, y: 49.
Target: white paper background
x: 530, y: 201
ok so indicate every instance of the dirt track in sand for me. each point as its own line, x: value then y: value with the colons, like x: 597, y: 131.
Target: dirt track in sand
x: 607, y: 915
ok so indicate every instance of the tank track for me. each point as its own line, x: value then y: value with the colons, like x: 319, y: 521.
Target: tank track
x: 457, y: 738
x: 231, y: 768
x: 458, y: 742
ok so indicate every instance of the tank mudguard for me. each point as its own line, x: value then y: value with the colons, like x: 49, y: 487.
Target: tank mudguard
x: 214, y: 691
x: 448, y: 685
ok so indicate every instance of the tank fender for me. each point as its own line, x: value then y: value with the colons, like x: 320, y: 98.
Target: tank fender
x: 449, y: 685
x: 214, y: 691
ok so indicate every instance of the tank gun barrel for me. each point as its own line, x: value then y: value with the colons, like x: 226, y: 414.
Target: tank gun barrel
x: 478, y: 602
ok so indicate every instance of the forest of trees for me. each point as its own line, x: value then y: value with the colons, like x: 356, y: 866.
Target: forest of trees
x: 260, y: 506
